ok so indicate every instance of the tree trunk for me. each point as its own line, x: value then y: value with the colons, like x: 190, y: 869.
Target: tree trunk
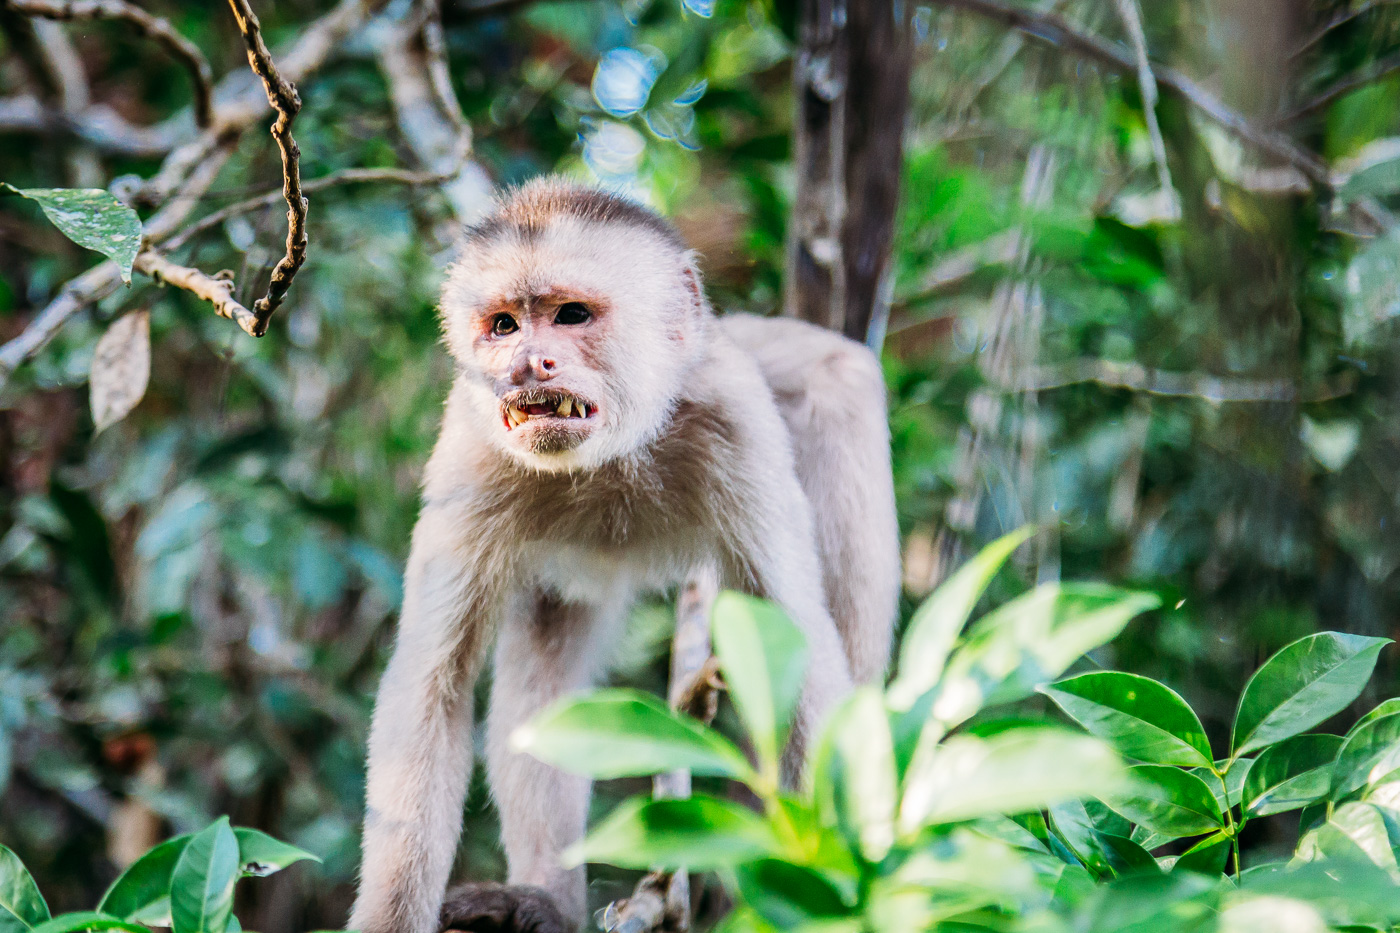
x: 851, y: 81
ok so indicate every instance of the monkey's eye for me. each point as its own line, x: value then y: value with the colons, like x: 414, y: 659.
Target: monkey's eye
x: 503, y: 324
x: 572, y: 313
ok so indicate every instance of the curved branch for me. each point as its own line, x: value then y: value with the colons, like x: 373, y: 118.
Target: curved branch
x: 1376, y: 70
x: 283, y: 97
x: 1053, y: 29
x: 153, y: 27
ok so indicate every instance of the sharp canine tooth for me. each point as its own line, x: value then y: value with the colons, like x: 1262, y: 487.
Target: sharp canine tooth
x: 566, y: 407
x: 582, y: 410
x: 517, y: 415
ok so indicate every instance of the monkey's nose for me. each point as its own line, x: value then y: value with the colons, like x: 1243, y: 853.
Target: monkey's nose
x: 535, y: 368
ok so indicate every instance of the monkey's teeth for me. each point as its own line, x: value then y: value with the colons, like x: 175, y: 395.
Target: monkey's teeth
x: 566, y: 407
x: 582, y: 410
x: 517, y: 415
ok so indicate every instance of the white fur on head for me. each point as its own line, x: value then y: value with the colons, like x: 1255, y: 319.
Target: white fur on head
x: 555, y: 235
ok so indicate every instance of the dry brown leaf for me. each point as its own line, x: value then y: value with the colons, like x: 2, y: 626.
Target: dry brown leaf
x: 121, y: 368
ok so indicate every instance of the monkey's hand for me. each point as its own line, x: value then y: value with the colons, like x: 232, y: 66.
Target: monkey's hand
x: 490, y: 907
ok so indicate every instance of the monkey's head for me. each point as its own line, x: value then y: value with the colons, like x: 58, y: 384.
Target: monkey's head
x: 573, y: 316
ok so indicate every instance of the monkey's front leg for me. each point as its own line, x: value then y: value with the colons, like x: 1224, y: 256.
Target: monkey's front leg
x: 420, y: 738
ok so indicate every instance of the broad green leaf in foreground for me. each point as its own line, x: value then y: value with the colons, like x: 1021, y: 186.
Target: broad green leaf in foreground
x: 1032, y: 640
x: 700, y: 833
x: 626, y: 733
x: 1383, y: 708
x: 789, y: 895
x: 1140, y: 717
x: 1291, y: 774
x: 260, y: 855
x: 1306, y: 682
x: 93, y: 219
x: 1011, y: 772
x: 1368, y: 753
x: 763, y: 657
x: 1207, y: 856
x: 937, y: 622
x: 145, y: 883
x: 201, y: 888
x: 21, y: 905
x: 1168, y: 801
x: 854, y: 774
x: 1354, y: 827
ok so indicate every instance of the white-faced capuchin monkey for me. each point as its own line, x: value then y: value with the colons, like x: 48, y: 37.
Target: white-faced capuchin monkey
x: 605, y: 434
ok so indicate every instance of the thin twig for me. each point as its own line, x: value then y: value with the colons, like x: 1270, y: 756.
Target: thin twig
x: 1340, y: 19
x: 1138, y: 378
x: 218, y: 291
x: 1147, y: 84
x: 104, y: 278
x: 153, y: 27
x: 345, y: 176
x: 1053, y: 29
x: 283, y: 97
x: 97, y: 125
x: 1376, y: 70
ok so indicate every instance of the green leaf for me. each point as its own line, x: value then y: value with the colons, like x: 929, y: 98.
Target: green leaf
x: 1012, y: 772
x: 260, y: 855
x: 1352, y: 827
x: 700, y: 833
x: 789, y: 895
x: 1206, y: 857
x: 1383, y: 708
x: 1140, y: 717
x: 1291, y: 774
x: 854, y: 776
x: 763, y: 657
x: 1075, y: 828
x: 93, y: 219
x: 201, y: 888
x: 1126, y: 856
x: 1227, y: 790
x: 1031, y: 641
x: 1168, y: 801
x: 21, y: 904
x: 936, y: 623
x: 626, y: 733
x: 146, y: 882
x: 1369, y: 753
x: 1306, y: 682
x: 87, y: 920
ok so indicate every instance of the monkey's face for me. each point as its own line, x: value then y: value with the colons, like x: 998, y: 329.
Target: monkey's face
x: 572, y: 339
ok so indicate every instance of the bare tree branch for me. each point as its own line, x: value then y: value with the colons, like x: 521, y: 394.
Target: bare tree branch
x: 97, y: 125
x: 1147, y: 83
x: 426, y: 109
x: 1341, y: 19
x: 1053, y: 29
x: 1375, y: 71
x: 1138, y: 378
x: 283, y: 97
x: 239, y: 106
x: 346, y: 176
x: 104, y: 278
x: 217, y: 291
x: 153, y: 27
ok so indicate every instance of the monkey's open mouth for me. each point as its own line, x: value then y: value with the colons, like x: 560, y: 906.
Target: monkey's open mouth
x: 537, y: 404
